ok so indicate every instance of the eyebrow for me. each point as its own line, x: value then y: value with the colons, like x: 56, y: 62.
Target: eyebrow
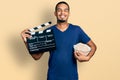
x: 64, y: 9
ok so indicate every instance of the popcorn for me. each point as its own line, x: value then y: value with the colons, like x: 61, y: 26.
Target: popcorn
x: 82, y: 48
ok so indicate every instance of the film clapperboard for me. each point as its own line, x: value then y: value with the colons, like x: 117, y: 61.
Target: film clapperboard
x: 41, y: 41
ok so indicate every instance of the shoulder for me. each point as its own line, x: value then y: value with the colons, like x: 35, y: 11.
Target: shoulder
x: 75, y: 27
x: 51, y: 27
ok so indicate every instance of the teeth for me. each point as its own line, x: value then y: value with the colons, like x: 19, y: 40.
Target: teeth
x: 62, y: 16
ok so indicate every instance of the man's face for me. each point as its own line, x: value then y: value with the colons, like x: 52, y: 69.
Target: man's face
x: 62, y: 13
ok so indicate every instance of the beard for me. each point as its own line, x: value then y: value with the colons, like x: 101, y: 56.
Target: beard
x: 61, y: 21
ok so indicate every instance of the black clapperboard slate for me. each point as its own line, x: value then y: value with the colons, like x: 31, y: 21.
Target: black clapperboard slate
x: 41, y: 41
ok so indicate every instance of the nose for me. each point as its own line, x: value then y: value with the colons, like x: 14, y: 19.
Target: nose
x: 62, y: 12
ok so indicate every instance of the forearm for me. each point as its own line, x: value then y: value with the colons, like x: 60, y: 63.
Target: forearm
x: 93, y: 49
x: 91, y: 53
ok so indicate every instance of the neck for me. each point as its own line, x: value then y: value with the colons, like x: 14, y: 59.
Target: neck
x: 62, y: 26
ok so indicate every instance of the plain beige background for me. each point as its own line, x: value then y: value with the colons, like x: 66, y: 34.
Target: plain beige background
x: 99, y: 19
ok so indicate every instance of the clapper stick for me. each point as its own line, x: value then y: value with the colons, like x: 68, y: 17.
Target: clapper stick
x: 38, y: 27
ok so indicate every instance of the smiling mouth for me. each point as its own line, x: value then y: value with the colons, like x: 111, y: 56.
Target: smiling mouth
x: 62, y: 16
x: 62, y: 19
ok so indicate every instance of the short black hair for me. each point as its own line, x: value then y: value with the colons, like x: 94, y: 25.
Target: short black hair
x: 62, y: 2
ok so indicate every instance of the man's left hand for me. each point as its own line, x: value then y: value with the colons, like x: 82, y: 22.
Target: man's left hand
x: 81, y: 57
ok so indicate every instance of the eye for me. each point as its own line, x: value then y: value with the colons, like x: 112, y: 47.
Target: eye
x: 66, y: 10
x: 58, y: 10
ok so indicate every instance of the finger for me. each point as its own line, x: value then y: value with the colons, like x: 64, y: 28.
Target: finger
x: 81, y: 54
x: 27, y: 33
x: 77, y: 52
x: 24, y: 33
x: 28, y: 36
x: 76, y: 56
x: 25, y: 30
x: 25, y: 36
x: 25, y: 40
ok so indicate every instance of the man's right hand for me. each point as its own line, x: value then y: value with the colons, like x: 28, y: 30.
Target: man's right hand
x: 25, y: 34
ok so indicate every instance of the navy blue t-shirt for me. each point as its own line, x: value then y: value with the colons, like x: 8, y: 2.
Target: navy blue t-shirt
x: 62, y: 64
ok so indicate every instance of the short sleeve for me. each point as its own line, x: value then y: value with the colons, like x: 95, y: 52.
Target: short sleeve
x: 84, y: 38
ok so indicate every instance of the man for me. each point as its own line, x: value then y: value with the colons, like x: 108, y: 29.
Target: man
x: 63, y: 60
